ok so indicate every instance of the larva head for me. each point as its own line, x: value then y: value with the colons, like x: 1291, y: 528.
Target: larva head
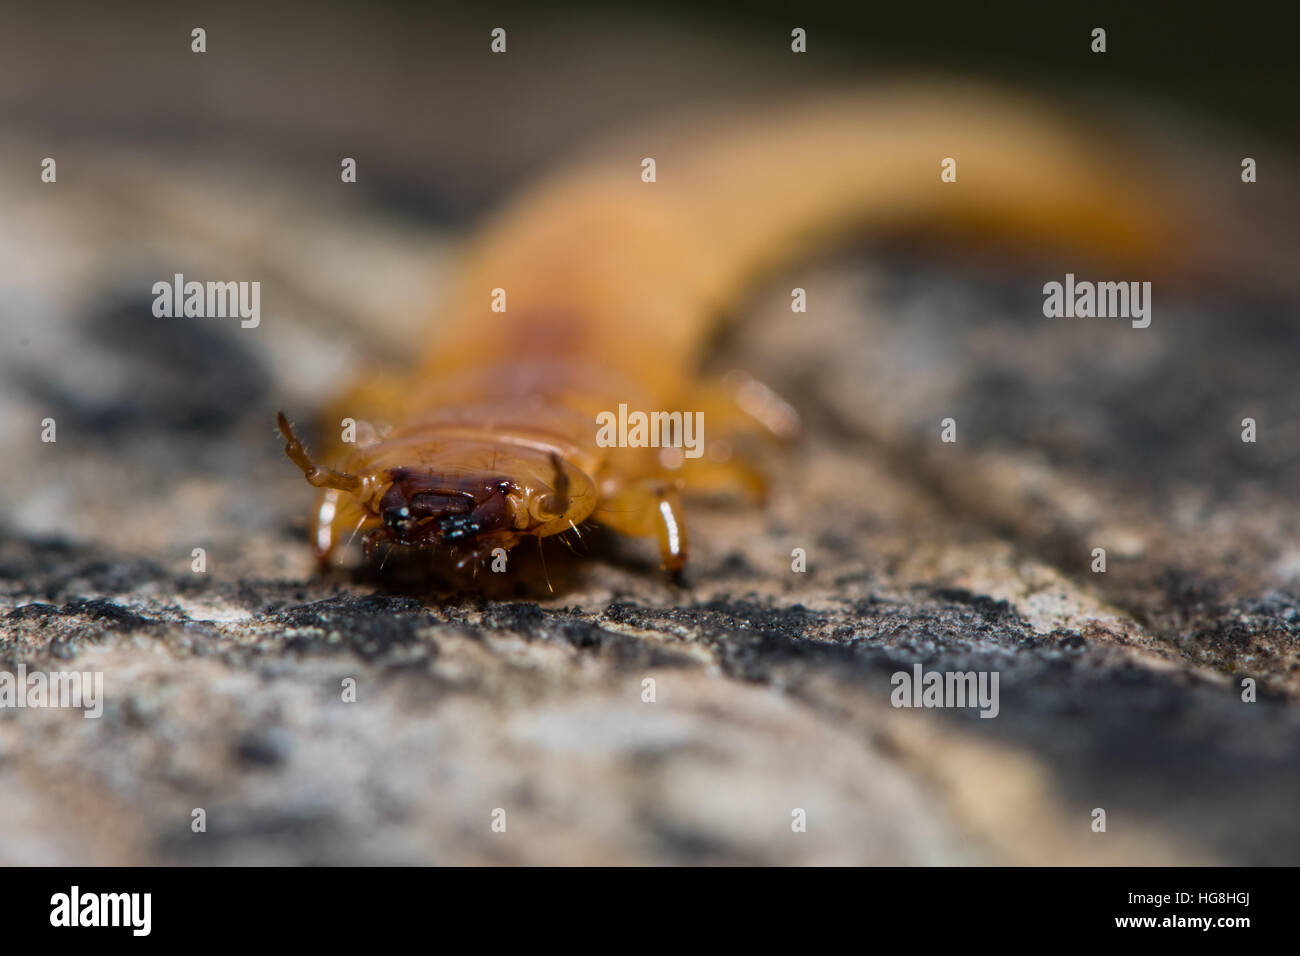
x: 460, y: 493
x: 422, y: 491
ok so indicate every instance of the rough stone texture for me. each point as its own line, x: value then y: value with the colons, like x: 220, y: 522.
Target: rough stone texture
x: 1118, y: 690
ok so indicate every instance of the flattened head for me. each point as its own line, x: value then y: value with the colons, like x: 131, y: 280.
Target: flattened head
x: 421, y: 508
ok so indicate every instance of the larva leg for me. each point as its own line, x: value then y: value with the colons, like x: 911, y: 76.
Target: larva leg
x: 326, y: 513
x: 649, y: 506
x: 733, y: 477
x: 737, y: 404
x: 740, y: 413
x: 338, y: 522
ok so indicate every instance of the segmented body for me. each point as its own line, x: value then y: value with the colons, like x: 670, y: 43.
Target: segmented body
x: 613, y: 284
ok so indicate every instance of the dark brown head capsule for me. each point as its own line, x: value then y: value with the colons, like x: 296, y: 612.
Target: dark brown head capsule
x: 422, y: 509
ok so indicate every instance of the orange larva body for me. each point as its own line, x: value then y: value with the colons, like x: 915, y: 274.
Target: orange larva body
x: 613, y: 283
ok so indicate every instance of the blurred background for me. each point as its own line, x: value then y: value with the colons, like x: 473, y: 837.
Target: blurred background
x: 1119, y: 690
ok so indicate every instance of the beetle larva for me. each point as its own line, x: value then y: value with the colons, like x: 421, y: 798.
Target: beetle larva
x: 615, y: 280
